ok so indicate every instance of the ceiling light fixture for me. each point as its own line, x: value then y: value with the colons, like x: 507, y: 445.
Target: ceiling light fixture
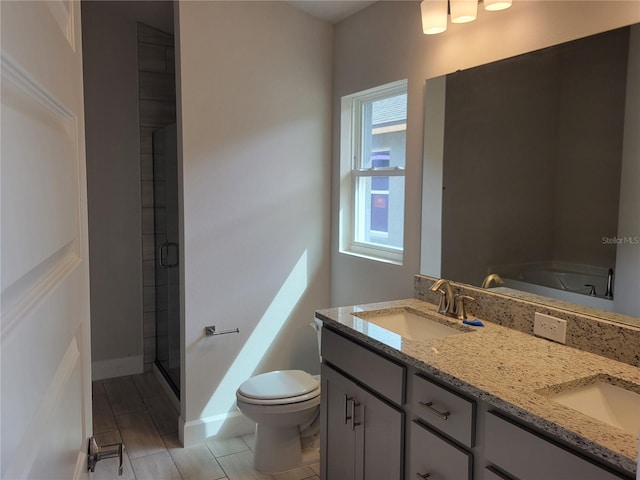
x: 434, y: 12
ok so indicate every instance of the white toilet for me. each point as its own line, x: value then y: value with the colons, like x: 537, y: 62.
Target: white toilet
x: 285, y: 404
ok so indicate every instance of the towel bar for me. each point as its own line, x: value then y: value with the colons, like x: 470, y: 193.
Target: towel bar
x: 211, y: 331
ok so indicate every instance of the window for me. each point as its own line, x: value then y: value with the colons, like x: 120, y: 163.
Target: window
x: 372, y: 162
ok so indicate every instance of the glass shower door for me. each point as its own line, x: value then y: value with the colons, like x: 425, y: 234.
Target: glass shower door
x: 165, y: 198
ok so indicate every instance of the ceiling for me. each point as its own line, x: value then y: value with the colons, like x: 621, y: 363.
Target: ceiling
x: 332, y: 11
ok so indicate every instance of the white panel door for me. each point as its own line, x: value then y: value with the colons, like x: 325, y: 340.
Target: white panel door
x: 45, y: 339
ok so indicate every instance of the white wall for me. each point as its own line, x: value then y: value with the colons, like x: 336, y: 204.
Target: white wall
x: 384, y: 43
x: 255, y: 86
x: 110, y: 58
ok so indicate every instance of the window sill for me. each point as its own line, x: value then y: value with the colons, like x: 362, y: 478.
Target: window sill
x: 377, y: 258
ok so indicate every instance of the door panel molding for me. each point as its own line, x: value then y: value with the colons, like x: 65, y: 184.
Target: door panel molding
x: 62, y: 13
x: 61, y: 183
x: 23, y: 296
x: 13, y: 72
x: 41, y: 149
x: 24, y: 453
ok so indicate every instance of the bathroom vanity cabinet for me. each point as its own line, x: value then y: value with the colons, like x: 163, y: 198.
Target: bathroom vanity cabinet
x: 385, y: 419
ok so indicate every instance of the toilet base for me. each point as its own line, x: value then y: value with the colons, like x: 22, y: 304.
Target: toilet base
x: 278, y: 450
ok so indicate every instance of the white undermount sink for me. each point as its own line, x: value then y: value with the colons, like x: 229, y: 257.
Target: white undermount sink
x: 411, y: 324
x: 603, y: 400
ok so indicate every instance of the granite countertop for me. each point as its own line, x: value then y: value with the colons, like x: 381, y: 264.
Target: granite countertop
x: 509, y: 370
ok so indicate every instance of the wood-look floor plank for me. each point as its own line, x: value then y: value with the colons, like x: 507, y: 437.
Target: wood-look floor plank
x: 163, y: 413
x: 159, y: 466
x: 194, y: 463
x: 303, y: 473
x: 239, y: 466
x: 123, y: 395
x: 148, y: 385
x: 226, y: 446
x: 97, y: 389
x: 250, y: 440
x: 140, y: 434
x: 103, y: 418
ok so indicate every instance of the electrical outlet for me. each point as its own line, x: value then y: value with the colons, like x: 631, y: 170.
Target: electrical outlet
x: 550, y: 327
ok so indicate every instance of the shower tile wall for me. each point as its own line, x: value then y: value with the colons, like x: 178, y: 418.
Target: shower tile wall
x: 157, y: 93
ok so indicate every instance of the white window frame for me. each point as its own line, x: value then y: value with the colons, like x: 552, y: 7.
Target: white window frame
x: 351, y: 127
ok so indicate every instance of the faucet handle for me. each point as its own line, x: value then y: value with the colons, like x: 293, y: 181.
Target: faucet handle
x: 442, y: 303
x: 461, y: 313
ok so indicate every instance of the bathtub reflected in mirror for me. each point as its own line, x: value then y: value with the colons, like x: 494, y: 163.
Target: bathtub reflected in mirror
x: 581, y: 284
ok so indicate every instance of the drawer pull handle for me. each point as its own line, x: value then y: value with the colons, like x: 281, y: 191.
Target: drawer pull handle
x: 442, y: 415
x: 423, y: 475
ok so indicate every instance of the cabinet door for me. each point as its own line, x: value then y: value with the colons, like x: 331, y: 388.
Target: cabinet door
x: 381, y: 433
x: 362, y: 436
x: 337, y: 448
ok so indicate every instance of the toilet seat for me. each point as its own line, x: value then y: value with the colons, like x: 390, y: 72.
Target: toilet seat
x: 280, y: 387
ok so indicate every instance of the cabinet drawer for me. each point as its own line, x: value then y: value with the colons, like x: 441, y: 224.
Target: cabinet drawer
x: 433, y: 455
x: 447, y: 411
x: 369, y: 368
x: 528, y: 456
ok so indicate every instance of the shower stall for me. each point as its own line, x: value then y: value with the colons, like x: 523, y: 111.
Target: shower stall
x: 167, y: 258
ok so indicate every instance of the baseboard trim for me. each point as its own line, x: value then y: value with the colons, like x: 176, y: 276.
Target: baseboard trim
x: 117, y: 367
x: 233, y: 424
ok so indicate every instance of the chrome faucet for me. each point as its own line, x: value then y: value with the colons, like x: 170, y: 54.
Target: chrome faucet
x: 447, y: 300
x: 492, y: 278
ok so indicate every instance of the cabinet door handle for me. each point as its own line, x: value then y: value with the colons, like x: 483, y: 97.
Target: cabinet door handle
x: 429, y: 406
x: 354, y: 424
x: 422, y: 475
x: 350, y: 401
x: 346, y: 409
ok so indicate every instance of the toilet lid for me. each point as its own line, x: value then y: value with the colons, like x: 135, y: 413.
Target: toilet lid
x: 279, y: 384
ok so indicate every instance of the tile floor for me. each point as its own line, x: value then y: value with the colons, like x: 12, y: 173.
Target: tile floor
x: 135, y: 410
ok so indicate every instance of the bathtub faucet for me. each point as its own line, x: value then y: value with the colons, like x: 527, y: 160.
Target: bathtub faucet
x: 492, y: 278
x: 609, y: 293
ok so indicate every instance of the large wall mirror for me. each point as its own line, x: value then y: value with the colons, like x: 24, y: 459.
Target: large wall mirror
x: 532, y: 171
